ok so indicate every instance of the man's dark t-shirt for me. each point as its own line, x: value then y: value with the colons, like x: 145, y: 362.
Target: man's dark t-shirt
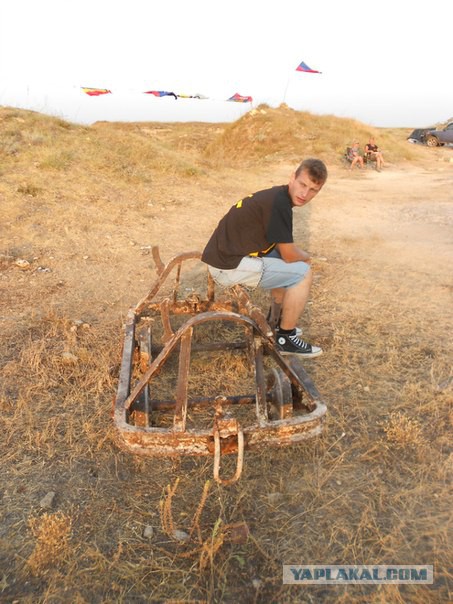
x: 251, y: 227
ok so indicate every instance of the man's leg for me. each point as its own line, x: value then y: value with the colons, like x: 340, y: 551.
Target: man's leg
x: 296, y: 279
x: 294, y: 301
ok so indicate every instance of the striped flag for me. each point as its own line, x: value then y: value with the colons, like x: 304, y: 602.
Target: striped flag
x: 96, y: 91
x: 238, y: 98
x: 304, y: 67
x: 161, y: 93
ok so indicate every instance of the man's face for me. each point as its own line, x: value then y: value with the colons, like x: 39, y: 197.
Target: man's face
x: 302, y: 189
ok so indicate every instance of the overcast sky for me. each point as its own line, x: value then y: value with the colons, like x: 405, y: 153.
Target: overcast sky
x: 385, y: 63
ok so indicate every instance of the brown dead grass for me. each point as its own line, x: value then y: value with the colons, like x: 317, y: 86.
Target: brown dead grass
x: 82, y: 206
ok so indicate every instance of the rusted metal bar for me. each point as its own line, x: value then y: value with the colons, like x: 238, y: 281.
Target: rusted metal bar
x: 224, y: 428
x: 201, y: 401
x: 177, y: 282
x: 274, y: 316
x: 210, y: 346
x: 160, y: 441
x: 165, y: 316
x: 157, y: 260
x: 261, y: 409
x: 211, y: 288
x: 124, y: 380
x: 179, y: 422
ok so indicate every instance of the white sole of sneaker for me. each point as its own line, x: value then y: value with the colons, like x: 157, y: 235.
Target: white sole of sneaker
x: 302, y: 355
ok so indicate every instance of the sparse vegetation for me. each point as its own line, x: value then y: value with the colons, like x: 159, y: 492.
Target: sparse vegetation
x: 81, y: 208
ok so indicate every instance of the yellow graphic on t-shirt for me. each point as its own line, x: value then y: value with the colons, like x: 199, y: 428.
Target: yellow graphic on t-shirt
x: 264, y: 252
x: 239, y: 203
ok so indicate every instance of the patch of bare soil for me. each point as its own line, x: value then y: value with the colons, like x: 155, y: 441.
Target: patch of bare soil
x: 374, y: 488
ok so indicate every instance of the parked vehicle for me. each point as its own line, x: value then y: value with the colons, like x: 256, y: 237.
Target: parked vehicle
x: 435, y: 138
x: 432, y: 137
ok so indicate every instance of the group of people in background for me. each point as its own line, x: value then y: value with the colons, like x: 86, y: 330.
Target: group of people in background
x: 371, y: 153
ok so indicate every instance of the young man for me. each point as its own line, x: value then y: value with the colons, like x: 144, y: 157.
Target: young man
x: 253, y: 246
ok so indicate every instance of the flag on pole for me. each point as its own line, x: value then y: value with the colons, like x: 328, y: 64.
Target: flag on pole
x: 304, y: 67
x: 95, y: 91
x: 238, y: 98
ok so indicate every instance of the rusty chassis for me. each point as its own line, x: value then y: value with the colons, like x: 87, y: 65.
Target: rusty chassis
x: 286, y: 406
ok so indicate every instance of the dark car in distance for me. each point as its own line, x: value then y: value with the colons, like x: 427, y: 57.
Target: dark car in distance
x: 433, y: 137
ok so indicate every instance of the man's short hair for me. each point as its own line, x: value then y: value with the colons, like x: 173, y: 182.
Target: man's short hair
x: 316, y: 169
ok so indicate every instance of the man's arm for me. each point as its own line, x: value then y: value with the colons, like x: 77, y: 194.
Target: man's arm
x: 291, y: 253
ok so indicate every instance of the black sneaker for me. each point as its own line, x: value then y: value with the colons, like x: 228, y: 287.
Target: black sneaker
x: 291, y: 344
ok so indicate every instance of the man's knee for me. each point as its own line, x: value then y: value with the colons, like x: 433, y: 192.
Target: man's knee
x: 305, y: 279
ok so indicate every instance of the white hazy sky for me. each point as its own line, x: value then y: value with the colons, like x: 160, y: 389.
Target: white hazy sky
x: 383, y: 62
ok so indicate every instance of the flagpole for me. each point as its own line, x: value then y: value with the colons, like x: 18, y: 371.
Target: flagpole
x: 286, y: 89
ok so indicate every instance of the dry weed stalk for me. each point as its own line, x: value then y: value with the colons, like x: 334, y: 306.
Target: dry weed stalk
x: 196, y: 518
x: 214, y: 541
x: 166, y: 515
x: 52, y: 533
x: 212, y: 545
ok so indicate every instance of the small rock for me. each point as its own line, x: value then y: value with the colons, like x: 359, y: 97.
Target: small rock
x: 22, y: 264
x: 256, y: 583
x: 366, y: 388
x: 47, y: 501
x: 445, y: 384
x: 180, y: 535
x: 148, y: 531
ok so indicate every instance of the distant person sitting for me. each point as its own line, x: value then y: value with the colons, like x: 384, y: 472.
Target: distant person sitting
x: 373, y: 154
x: 354, y: 156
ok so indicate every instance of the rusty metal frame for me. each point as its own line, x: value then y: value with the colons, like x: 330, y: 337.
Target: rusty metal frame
x: 298, y: 410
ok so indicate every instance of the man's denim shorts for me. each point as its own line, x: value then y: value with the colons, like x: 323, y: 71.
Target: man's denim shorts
x: 268, y: 272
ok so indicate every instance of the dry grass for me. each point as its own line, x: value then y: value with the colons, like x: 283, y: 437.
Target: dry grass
x: 375, y: 488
